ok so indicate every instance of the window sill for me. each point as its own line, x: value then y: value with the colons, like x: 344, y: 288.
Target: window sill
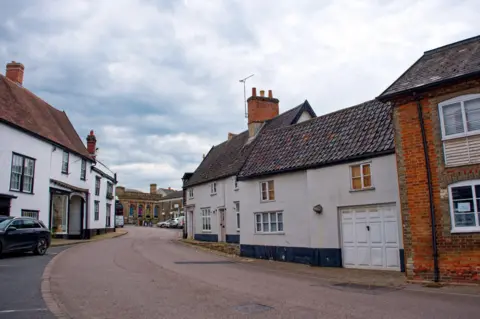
x: 22, y: 192
x: 238, y: 230
x: 236, y: 189
x: 266, y: 201
x: 271, y: 233
x: 362, y: 190
x: 65, y: 173
x: 213, y: 194
x: 461, y: 230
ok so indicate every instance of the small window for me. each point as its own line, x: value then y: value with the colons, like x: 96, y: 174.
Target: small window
x: 30, y: 213
x: 269, y: 222
x: 213, y: 188
x: 97, y: 210
x: 235, y: 183
x: 361, y: 176
x: 464, y: 206
x: 65, y: 160
x: 22, y: 174
x: 83, y: 170
x: 108, y: 215
x: 206, y: 219
x: 267, y: 191
x: 190, y: 193
x: 237, y: 211
x: 97, y: 185
x: 109, y: 190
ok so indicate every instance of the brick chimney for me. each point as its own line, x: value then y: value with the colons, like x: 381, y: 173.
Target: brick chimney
x: 92, y: 144
x: 15, y: 72
x: 260, y: 109
x: 153, y: 188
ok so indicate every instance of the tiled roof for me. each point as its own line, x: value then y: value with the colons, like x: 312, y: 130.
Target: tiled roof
x: 446, y: 63
x: 173, y: 195
x: 357, y: 132
x: 23, y: 109
x: 227, y: 158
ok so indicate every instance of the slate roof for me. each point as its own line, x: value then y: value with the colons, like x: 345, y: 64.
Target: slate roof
x: 447, y: 63
x: 227, y: 158
x: 361, y: 131
x: 24, y: 110
x: 173, y: 195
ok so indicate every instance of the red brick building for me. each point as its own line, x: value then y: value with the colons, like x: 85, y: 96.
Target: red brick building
x: 437, y: 140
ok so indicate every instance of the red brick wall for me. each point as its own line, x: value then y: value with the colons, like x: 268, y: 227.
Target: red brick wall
x: 261, y: 109
x: 459, y: 254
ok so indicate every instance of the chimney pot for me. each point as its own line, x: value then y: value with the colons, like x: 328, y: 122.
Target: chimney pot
x: 262, y: 93
x: 254, y: 91
x: 270, y: 94
x: 15, y: 72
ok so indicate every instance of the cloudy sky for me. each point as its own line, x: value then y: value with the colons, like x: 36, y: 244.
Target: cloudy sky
x: 158, y: 80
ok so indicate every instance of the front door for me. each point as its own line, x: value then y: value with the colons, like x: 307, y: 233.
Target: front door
x: 370, y: 237
x: 222, y: 225
x: 5, y: 206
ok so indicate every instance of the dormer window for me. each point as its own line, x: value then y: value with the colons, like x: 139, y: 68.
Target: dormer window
x: 213, y: 188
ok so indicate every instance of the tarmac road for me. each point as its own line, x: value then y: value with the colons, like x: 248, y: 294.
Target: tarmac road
x: 147, y: 275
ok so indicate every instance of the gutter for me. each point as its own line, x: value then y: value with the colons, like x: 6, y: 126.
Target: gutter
x: 430, y: 190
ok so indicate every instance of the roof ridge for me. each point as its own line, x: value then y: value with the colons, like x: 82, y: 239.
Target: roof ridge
x: 454, y: 44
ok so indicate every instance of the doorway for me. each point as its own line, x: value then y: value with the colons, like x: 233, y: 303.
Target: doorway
x: 191, y: 225
x: 5, y: 206
x: 223, y: 234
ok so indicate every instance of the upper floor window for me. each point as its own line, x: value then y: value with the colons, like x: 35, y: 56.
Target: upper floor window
x: 65, y: 160
x: 109, y: 190
x: 206, y: 219
x: 235, y: 183
x: 460, y: 116
x: 83, y: 170
x: 267, y: 191
x: 361, y: 176
x: 22, y: 173
x: 97, y: 185
x: 96, y: 210
x: 213, y: 188
x: 465, y: 206
x: 190, y: 193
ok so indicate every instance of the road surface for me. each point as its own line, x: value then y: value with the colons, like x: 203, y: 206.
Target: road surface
x: 146, y: 275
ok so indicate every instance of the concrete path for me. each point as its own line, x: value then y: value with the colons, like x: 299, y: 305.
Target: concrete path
x: 145, y: 275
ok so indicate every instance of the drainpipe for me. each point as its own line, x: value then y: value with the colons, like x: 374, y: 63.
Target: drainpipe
x: 430, y: 190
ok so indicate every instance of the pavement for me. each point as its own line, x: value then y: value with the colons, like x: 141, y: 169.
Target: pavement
x: 20, y: 280
x: 149, y: 274
x: 66, y: 242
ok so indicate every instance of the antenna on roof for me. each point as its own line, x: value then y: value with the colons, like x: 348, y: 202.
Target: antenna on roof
x: 245, y: 93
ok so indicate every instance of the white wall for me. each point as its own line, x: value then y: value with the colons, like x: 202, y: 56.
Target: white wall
x: 296, y: 194
x: 74, y: 168
x: 102, y: 198
x: 225, y: 197
x: 12, y: 140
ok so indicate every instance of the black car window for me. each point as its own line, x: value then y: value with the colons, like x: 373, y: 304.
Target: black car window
x: 36, y: 225
x: 17, y: 223
x: 28, y: 223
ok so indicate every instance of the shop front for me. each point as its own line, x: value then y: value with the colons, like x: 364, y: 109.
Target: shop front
x: 68, y: 210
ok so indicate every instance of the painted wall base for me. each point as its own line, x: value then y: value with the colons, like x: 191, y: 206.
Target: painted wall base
x: 402, y: 260
x: 233, y: 239
x: 323, y: 257
x: 206, y: 237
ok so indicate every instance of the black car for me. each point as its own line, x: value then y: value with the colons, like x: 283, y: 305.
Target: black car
x: 24, y: 234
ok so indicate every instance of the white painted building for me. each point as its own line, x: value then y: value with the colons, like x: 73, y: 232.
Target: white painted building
x: 213, y: 195
x: 48, y: 169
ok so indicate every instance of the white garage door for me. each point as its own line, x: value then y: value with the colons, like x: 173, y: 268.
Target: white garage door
x: 370, y: 237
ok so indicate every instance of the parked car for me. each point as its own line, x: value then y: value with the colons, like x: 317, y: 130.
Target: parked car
x: 177, y: 222
x: 24, y: 234
x: 164, y: 224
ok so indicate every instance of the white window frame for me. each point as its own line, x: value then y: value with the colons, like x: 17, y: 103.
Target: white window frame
x: 213, y: 188
x: 109, y: 189
x: 22, y: 175
x: 206, y: 214
x: 190, y: 193
x: 237, y: 214
x: 98, y: 183
x: 30, y: 213
x: 361, y: 176
x: 460, y: 99
x: 83, y: 170
x: 268, y: 191
x: 65, y: 162
x: 96, y: 210
x: 468, y: 229
x: 269, y: 222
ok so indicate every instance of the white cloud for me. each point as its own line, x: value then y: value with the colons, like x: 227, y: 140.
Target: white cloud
x: 158, y: 80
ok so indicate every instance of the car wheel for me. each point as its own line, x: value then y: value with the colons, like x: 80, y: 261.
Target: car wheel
x: 40, y: 247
